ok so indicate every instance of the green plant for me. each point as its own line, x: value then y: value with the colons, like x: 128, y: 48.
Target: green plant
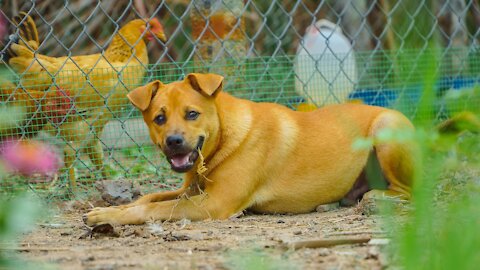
x: 17, y: 216
x: 256, y: 259
x: 441, y: 229
x: 18, y: 210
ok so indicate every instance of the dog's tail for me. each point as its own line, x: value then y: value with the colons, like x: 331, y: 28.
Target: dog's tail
x: 460, y: 123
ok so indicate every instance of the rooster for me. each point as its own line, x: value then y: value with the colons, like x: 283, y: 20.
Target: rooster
x: 38, y: 108
x: 98, y: 83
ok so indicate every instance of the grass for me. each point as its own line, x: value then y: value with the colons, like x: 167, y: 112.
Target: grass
x: 257, y: 259
x: 17, y: 216
x: 441, y: 230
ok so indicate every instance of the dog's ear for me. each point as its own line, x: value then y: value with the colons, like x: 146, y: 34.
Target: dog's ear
x: 141, y: 96
x: 209, y: 84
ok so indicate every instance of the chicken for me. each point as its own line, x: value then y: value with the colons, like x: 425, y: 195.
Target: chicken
x: 98, y: 83
x: 37, y: 109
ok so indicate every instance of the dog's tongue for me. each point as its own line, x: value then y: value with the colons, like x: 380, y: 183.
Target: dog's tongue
x: 180, y: 160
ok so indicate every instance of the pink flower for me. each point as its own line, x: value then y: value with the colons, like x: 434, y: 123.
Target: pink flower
x: 29, y: 157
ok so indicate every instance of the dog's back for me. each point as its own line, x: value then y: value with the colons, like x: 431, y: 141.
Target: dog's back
x: 304, y: 159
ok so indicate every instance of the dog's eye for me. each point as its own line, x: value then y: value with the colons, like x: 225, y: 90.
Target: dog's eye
x: 160, y: 119
x: 192, y: 115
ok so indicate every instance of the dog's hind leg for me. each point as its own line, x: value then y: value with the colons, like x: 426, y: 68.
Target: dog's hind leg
x: 396, y: 157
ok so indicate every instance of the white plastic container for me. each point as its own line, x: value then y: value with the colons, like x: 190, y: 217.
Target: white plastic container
x: 325, y: 65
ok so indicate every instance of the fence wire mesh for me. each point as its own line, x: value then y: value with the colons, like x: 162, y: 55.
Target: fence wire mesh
x: 66, y: 86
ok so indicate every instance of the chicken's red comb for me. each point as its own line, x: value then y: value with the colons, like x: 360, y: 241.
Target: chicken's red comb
x: 155, y: 24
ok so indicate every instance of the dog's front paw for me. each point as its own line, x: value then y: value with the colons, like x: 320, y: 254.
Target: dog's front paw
x: 103, y: 215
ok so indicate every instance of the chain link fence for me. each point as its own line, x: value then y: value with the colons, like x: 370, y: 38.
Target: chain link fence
x: 68, y: 82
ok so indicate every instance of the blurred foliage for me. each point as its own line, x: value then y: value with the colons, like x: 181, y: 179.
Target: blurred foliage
x: 18, y: 210
x: 441, y: 229
x: 257, y: 259
x: 17, y: 215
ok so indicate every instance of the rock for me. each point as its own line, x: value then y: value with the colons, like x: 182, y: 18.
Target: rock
x: 373, y: 253
x: 327, y: 207
x: 379, y: 241
x: 100, y: 230
x: 368, y: 207
x: 89, y: 259
x: 170, y: 237
x: 155, y: 229
x: 118, y: 192
x: 324, y: 252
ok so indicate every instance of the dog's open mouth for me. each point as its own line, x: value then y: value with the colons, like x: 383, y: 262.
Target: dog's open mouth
x: 183, y: 162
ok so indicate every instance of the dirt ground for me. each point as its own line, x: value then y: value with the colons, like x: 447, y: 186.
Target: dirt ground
x: 246, y: 242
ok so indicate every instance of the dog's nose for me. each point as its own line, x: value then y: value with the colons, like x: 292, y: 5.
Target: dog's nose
x: 175, y: 141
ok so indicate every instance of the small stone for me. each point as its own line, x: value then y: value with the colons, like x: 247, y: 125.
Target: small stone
x: 368, y: 207
x: 373, y: 253
x: 383, y: 259
x: 324, y: 252
x: 327, y: 207
x: 117, y: 192
x: 89, y: 258
x: 155, y: 229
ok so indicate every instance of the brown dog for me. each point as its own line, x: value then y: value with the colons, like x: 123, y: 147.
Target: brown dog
x: 258, y: 156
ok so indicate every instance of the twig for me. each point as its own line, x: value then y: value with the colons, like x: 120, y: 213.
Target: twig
x: 355, y: 233
x: 54, y: 181
x: 28, y: 249
x: 318, y: 243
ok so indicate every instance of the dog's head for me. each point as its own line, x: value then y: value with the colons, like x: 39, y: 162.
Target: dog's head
x: 181, y: 116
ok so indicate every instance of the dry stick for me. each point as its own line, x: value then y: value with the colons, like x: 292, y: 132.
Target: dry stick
x: 319, y: 243
x: 53, y: 182
x: 356, y: 233
x: 29, y: 249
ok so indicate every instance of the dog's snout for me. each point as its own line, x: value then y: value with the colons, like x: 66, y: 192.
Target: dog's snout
x: 175, y: 141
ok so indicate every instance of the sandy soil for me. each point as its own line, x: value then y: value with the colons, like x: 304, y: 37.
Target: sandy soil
x: 246, y: 242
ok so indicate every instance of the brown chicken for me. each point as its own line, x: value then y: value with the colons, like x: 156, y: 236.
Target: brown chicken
x: 98, y: 83
x: 37, y: 108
